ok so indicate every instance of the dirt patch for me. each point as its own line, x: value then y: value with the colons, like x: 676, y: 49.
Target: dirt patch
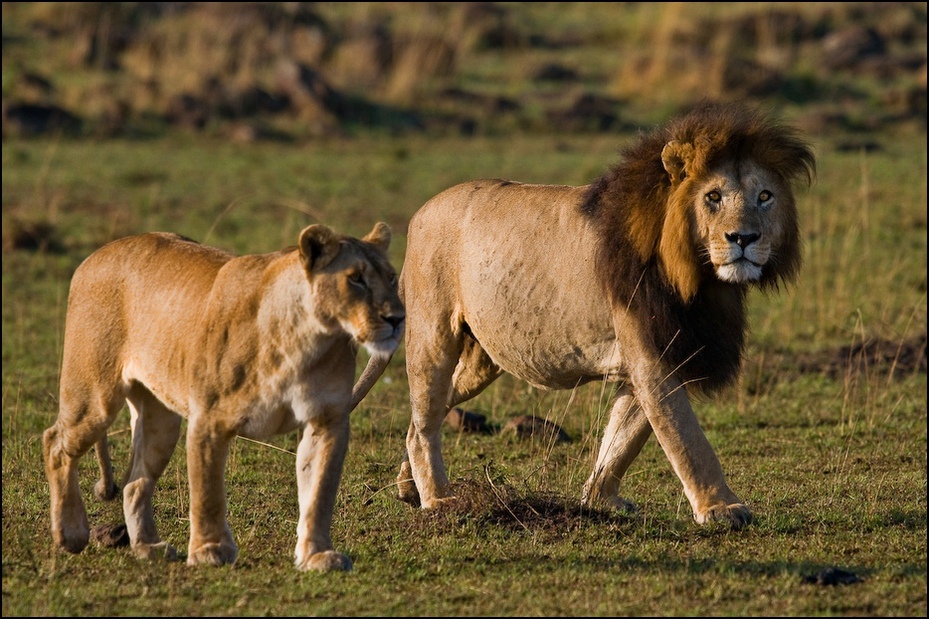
x: 490, y: 501
x: 895, y: 358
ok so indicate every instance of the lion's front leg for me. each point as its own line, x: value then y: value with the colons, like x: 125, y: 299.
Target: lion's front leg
x: 690, y: 453
x: 211, y: 541
x: 320, y: 457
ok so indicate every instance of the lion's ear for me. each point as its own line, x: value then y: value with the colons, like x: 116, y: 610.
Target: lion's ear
x: 319, y: 245
x: 675, y: 157
x: 379, y: 236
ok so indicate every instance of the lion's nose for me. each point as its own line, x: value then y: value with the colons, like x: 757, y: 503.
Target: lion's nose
x: 742, y: 240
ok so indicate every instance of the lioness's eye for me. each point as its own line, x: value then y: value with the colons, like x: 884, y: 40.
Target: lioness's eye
x: 765, y: 196
x: 356, y: 279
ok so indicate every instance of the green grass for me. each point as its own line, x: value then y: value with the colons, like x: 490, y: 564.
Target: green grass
x: 833, y: 465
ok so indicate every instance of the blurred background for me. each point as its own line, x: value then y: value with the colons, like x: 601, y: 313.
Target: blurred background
x: 296, y: 71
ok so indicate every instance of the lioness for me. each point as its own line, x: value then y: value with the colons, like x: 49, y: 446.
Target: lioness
x: 252, y: 346
x: 640, y: 277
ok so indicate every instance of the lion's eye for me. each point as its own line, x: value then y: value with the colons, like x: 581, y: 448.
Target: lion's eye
x: 713, y: 199
x: 765, y: 196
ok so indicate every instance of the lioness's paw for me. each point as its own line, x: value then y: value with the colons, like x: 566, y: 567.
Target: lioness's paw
x: 213, y: 554
x: 106, y: 490
x: 737, y: 514
x: 439, y: 502
x: 72, y: 540
x: 162, y: 551
x: 406, y: 488
x: 326, y: 561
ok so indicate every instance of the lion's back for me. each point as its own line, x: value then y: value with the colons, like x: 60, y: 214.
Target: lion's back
x: 514, y: 263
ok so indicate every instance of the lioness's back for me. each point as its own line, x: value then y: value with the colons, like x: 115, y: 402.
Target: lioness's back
x: 132, y: 288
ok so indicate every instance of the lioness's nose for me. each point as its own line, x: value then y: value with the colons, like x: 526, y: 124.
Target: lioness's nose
x: 742, y: 240
x: 394, y: 320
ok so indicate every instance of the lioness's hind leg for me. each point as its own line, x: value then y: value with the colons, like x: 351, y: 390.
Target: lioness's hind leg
x: 625, y: 434
x: 83, y: 419
x: 105, y: 489
x: 155, y: 432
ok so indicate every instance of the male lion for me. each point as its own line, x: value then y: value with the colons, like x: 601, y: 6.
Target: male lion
x: 253, y: 346
x: 640, y: 278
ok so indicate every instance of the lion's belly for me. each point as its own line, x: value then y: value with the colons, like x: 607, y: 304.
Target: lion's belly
x: 539, y: 318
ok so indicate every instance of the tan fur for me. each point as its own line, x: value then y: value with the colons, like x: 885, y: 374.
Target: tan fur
x: 638, y: 278
x: 241, y: 346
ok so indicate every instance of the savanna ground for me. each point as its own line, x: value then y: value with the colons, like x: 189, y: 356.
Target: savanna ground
x: 824, y: 437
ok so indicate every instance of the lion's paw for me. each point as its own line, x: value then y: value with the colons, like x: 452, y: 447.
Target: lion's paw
x: 326, y: 561
x: 737, y: 514
x: 213, y: 554
x: 162, y: 551
x: 614, y: 503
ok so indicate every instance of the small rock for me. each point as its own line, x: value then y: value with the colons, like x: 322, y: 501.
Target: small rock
x: 526, y: 426
x: 467, y: 421
x: 832, y: 576
x: 110, y: 535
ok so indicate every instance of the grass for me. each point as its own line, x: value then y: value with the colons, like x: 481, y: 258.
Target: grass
x: 826, y: 445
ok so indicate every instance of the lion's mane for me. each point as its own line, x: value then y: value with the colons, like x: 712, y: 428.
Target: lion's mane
x: 636, y: 212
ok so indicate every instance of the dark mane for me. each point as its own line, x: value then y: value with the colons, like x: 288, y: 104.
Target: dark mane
x: 701, y: 337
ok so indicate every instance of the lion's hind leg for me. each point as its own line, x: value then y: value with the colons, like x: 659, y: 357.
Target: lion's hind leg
x: 155, y: 432
x: 473, y: 373
x: 623, y: 439
x: 433, y: 353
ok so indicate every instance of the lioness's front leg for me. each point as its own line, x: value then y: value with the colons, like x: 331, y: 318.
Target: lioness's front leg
x: 211, y: 540
x: 155, y: 432
x: 320, y: 457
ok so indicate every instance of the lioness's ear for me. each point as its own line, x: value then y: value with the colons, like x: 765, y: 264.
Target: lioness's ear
x: 675, y: 157
x: 379, y: 236
x: 319, y: 245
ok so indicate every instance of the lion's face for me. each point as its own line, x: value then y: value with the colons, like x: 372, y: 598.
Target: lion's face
x: 356, y: 287
x: 734, y: 213
x: 738, y: 213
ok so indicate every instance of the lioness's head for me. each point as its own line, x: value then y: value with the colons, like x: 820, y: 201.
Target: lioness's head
x: 731, y: 204
x: 355, y: 285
